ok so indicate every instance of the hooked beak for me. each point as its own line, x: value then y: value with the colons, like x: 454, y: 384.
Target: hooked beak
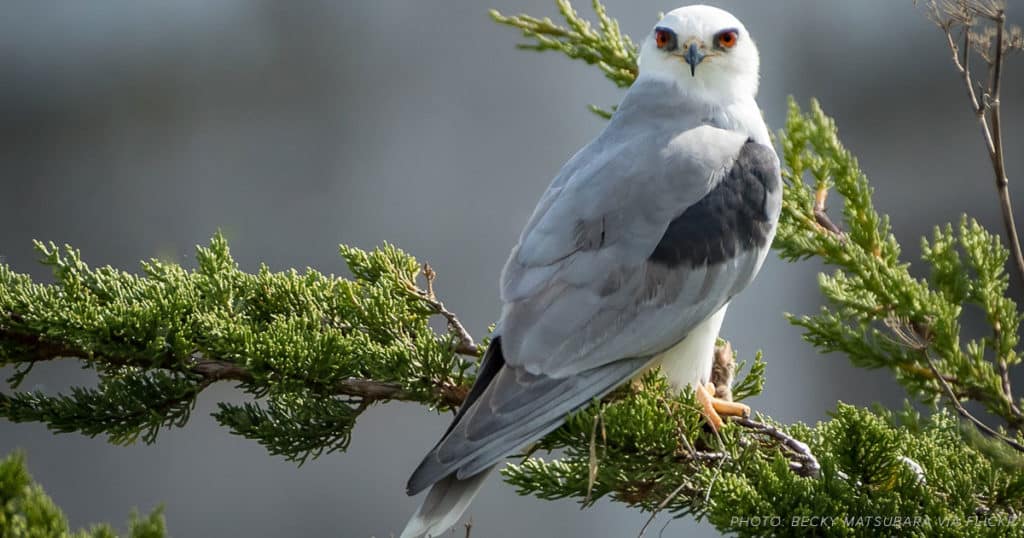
x: 693, y: 57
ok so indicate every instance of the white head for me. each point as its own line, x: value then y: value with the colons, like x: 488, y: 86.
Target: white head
x: 705, y: 51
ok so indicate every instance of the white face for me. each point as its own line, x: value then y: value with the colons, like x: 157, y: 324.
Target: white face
x: 705, y: 50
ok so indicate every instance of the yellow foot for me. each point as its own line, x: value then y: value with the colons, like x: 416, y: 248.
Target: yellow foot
x: 715, y: 408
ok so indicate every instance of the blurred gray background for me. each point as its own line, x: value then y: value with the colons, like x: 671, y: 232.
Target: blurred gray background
x: 137, y: 129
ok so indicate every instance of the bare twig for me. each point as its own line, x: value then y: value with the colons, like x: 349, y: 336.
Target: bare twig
x: 661, y: 506
x: 989, y: 103
x: 593, y: 463
x: 915, y: 337
x: 466, y: 345
x: 998, y: 164
x: 990, y: 45
x: 964, y: 412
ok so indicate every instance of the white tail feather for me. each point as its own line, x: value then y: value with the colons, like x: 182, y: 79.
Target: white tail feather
x: 444, y: 505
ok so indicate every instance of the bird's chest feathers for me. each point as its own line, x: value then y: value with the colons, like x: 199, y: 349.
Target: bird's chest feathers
x: 689, y: 362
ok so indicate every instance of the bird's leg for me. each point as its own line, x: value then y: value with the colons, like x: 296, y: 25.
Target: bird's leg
x: 715, y: 397
x: 715, y: 408
x: 728, y: 408
x: 706, y: 400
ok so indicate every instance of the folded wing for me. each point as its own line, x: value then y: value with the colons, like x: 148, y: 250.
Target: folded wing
x: 638, y: 239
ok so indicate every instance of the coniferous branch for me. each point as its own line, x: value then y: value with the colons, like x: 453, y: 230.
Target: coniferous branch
x: 881, y: 316
x: 314, y: 351
x: 613, y: 52
x: 608, y: 48
x: 27, y: 512
x: 157, y: 339
x: 966, y: 414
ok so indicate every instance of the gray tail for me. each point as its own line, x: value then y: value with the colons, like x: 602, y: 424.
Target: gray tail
x: 444, y: 505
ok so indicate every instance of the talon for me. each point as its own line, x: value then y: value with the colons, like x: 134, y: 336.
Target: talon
x: 716, y: 408
x: 731, y: 409
x: 707, y: 402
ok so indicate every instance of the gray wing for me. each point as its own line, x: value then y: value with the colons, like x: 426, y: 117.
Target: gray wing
x: 636, y: 241
x: 623, y: 260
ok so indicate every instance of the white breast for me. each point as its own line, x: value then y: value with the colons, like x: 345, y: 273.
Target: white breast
x: 689, y: 362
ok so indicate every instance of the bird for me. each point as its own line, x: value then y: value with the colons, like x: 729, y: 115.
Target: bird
x: 629, y: 260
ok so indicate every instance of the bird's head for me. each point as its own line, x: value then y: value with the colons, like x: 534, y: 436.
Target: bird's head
x: 704, y: 50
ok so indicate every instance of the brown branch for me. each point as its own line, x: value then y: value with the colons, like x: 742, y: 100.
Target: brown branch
x: 38, y: 349
x: 998, y: 164
x: 661, y: 506
x: 212, y: 370
x: 805, y: 463
x: 991, y: 128
x: 367, y: 390
x: 992, y: 133
x: 465, y: 344
x: 915, y: 336
x: 951, y: 396
x: 821, y: 214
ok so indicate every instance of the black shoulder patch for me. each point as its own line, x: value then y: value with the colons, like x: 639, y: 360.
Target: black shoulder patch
x: 492, y: 363
x: 730, y: 219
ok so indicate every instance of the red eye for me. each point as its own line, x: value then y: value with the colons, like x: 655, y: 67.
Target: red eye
x: 664, y: 38
x: 727, y: 39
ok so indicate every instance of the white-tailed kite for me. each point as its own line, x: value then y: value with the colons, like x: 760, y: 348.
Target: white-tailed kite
x: 630, y: 258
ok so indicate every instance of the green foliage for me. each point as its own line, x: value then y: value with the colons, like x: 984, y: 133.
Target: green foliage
x: 124, y: 406
x: 879, y: 315
x: 877, y: 478
x: 27, y: 512
x: 636, y: 448
x: 314, y: 351
x: 608, y: 48
x: 297, y: 425
x: 293, y: 341
x: 753, y: 382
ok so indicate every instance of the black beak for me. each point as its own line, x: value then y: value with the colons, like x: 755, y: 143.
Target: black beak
x: 693, y: 57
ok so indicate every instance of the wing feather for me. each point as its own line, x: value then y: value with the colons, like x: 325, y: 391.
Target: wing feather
x: 645, y: 233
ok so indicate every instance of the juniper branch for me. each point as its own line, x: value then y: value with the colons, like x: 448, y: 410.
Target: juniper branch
x: 368, y: 391
x: 608, y: 48
x: 27, y: 512
x: 613, y: 52
x: 314, y: 351
x: 212, y: 370
x: 966, y: 414
x: 804, y: 464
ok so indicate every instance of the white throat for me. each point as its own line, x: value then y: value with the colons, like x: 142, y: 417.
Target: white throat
x: 735, y: 111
